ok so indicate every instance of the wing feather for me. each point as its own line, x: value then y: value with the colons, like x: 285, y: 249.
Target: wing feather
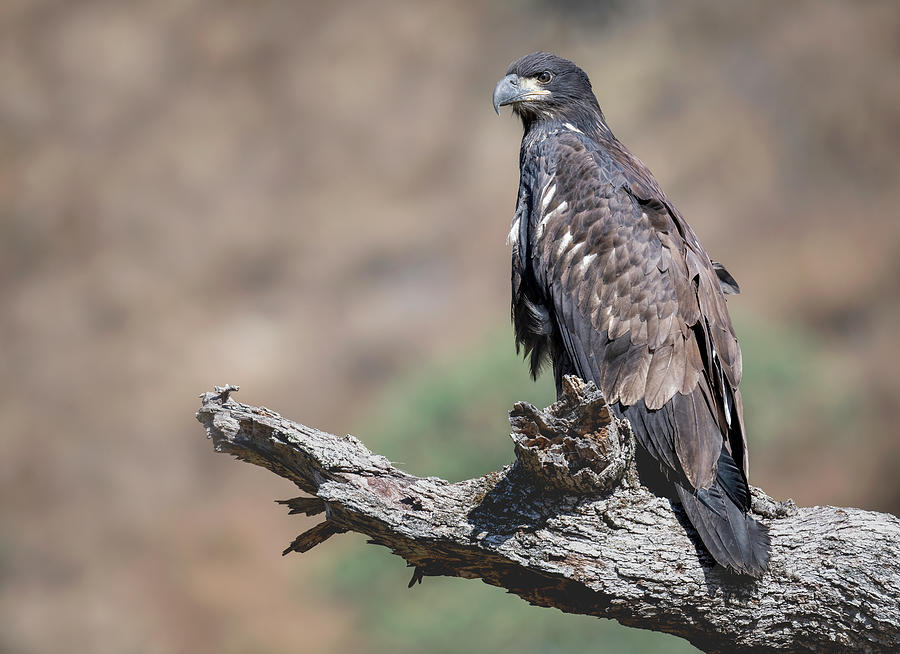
x: 631, y: 289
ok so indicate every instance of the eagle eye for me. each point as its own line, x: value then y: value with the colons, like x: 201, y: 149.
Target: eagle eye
x: 545, y: 77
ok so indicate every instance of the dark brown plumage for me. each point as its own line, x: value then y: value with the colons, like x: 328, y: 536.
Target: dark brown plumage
x: 612, y: 284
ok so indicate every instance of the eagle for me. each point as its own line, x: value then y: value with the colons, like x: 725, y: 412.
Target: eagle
x: 610, y: 283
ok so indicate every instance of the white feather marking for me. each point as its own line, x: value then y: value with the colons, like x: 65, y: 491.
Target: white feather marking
x: 513, y: 237
x: 548, y: 196
x: 572, y: 127
x: 583, y: 266
x: 727, y: 406
x: 564, y: 242
x: 562, y: 206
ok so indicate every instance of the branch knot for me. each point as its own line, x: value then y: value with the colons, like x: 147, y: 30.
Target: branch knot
x: 575, y: 445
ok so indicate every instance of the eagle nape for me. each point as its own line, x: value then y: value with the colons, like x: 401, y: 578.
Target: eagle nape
x: 626, y: 296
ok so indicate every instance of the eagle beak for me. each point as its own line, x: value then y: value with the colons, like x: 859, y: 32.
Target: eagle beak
x: 512, y: 89
x: 506, y: 92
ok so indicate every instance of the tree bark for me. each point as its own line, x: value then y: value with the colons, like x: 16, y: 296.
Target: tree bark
x: 570, y: 526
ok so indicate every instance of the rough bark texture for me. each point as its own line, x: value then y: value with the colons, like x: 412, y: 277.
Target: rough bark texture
x: 570, y: 526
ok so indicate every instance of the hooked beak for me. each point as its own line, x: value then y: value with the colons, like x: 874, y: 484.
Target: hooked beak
x: 506, y: 92
x: 512, y: 89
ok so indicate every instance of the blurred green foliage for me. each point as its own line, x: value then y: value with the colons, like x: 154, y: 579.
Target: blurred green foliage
x: 446, y: 615
x: 791, y: 384
x: 779, y: 364
x: 447, y: 418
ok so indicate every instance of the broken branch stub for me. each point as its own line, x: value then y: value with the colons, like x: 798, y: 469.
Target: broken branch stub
x: 575, y: 445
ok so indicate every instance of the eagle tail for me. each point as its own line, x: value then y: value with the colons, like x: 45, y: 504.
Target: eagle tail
x: 719, y: 514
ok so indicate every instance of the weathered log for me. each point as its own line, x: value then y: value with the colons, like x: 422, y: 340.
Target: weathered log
x: 570, y: 526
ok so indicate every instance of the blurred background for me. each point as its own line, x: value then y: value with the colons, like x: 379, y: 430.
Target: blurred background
x: 311, y: 200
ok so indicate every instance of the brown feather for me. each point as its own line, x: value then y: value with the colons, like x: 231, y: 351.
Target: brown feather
x: 661, y: 383
x: 697, y: 439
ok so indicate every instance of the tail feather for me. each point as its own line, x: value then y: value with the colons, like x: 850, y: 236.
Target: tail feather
x: 718, y: 513
x: 732, y: 480
x: 734, y: 539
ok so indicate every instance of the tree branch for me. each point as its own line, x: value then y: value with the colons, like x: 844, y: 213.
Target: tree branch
x: 569, y: 526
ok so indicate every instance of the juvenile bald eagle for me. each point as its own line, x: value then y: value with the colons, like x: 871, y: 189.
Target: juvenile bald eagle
x: 611, y: 284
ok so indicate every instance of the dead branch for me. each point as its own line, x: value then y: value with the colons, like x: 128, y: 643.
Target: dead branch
x: 570, y: 526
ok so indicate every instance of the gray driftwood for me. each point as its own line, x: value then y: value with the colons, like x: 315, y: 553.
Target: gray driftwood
x: 569, y: 526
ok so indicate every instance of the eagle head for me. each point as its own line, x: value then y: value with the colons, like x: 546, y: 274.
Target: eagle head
x: 543, y: 85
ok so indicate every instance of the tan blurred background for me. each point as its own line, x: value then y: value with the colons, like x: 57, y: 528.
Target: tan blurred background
x: 311, y: 200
